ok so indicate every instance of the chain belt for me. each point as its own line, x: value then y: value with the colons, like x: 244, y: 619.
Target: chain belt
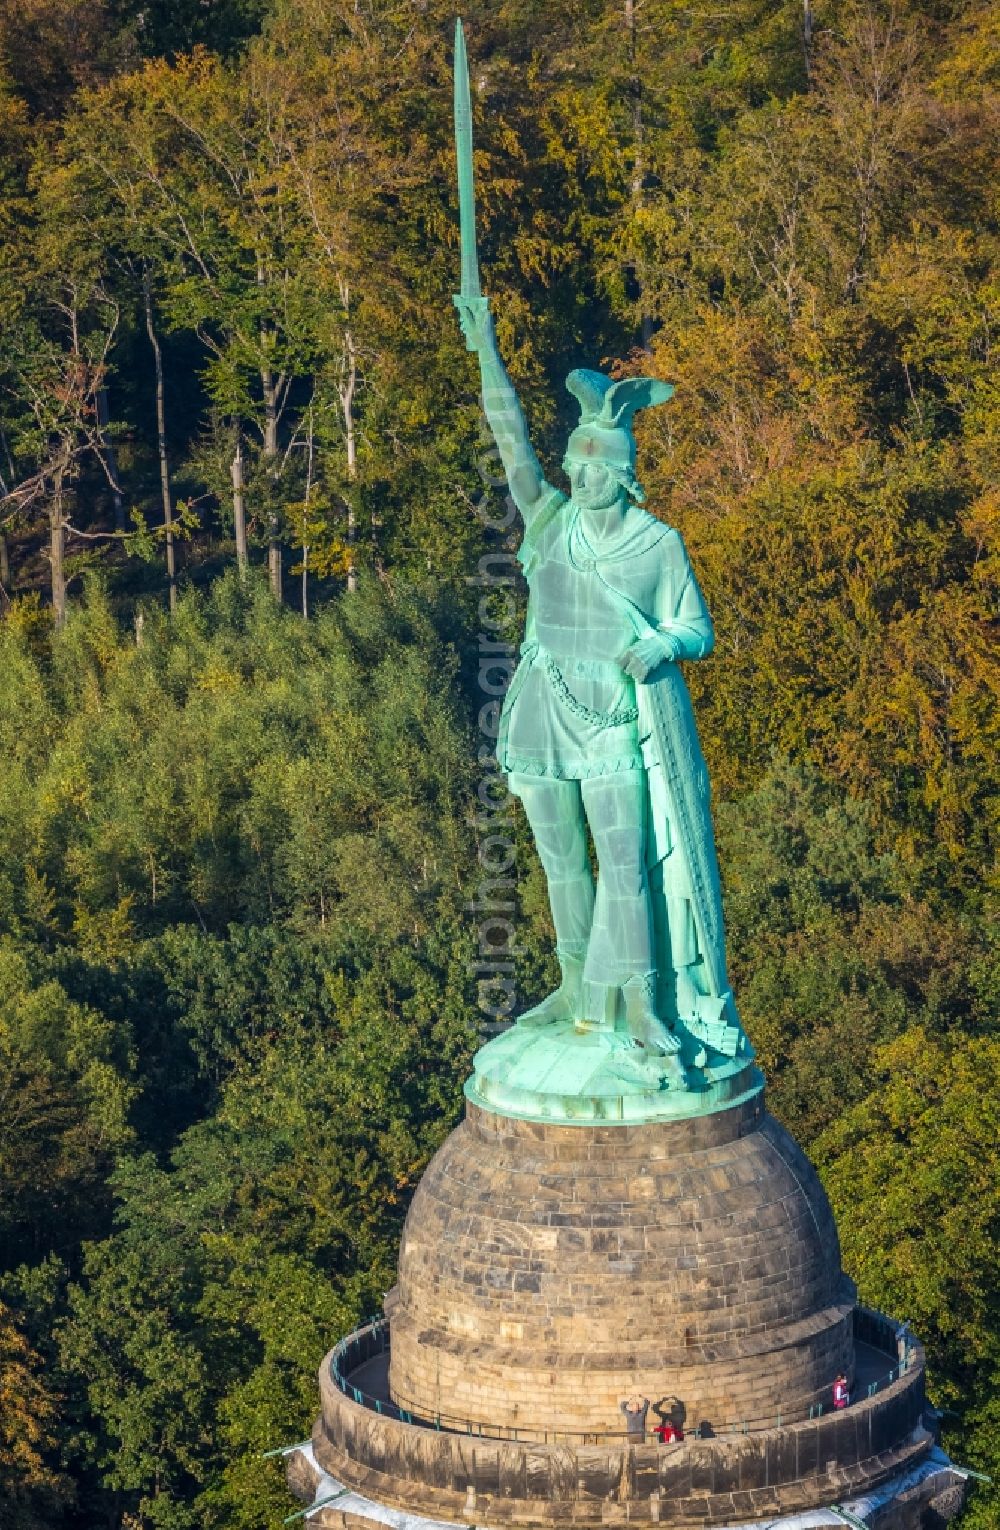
x: 616, y: 719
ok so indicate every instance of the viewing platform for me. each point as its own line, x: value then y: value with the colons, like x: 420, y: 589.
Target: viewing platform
x: 359, y: 1367
x: 549, y: 1271
x: 720, y: 1473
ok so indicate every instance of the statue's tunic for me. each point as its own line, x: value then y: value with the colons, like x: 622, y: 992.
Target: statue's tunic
x: 571, y: 710
x: 572, y: 713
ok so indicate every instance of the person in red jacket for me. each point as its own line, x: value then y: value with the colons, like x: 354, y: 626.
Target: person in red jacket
x: 668, y: 1432
x: 841, y: 1395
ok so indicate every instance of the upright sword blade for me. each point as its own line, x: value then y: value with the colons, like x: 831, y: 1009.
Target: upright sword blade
x: 466, y: 187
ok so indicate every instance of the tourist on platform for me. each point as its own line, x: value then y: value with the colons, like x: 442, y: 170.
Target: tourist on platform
x: 668, y: 1432
x: 841, y: 1395
x: 635, y: 1409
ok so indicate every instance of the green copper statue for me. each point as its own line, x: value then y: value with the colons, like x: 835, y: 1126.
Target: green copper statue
x: 597, y: 732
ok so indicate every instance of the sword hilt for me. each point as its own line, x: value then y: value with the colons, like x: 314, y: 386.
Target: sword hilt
x: 478, y: 304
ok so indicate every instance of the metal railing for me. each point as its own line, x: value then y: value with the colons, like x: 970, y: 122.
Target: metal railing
x: 371, y: 1338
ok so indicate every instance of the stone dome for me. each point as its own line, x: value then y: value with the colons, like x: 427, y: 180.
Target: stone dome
x: 547, y: 1271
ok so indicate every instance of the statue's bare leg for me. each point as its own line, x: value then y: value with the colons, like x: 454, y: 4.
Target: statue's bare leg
x: 555, y: 813
x: 621, y: 948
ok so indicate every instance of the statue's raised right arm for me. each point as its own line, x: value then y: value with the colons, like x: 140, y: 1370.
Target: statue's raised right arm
x: 503, y: 409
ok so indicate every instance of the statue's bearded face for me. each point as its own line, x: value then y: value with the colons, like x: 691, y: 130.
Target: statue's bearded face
x: 594, y: 486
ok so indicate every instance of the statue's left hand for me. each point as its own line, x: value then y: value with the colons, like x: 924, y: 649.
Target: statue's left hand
x: 477, y: 325
x: 644, y: 656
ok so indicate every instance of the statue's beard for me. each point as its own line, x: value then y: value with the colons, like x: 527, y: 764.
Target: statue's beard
x: 609, y: 498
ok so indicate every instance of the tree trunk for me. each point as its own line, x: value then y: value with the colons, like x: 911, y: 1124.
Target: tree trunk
x: 270, y: 387
x: 57, y: 554
x: 161, y: 443
x: 239, y: 509
x: 305, y: 520
x: 8, y: 459
x: 348, y: 386
x: 111, y: 461
x: 4, y: 546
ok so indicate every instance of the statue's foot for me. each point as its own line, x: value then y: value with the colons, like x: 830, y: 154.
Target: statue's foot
x: 641, y: 1018
x: 549, y: 1012
x: 658, y: 1037
x: 565, y: 1002
x: 636, y: 1064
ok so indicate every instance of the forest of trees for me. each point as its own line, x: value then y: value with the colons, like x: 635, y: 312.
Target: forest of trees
x: 239, y: 437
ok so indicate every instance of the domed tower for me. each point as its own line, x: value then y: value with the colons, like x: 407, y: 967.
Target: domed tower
x: 554, y: 1267
x: 548, y: 1272
x: 590, y: 1233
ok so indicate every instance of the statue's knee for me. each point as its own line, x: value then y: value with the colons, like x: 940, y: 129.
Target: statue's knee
x: 622, y: 862
x: 563, y: 854
x: 625, y: 882
x: 558, y: 830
